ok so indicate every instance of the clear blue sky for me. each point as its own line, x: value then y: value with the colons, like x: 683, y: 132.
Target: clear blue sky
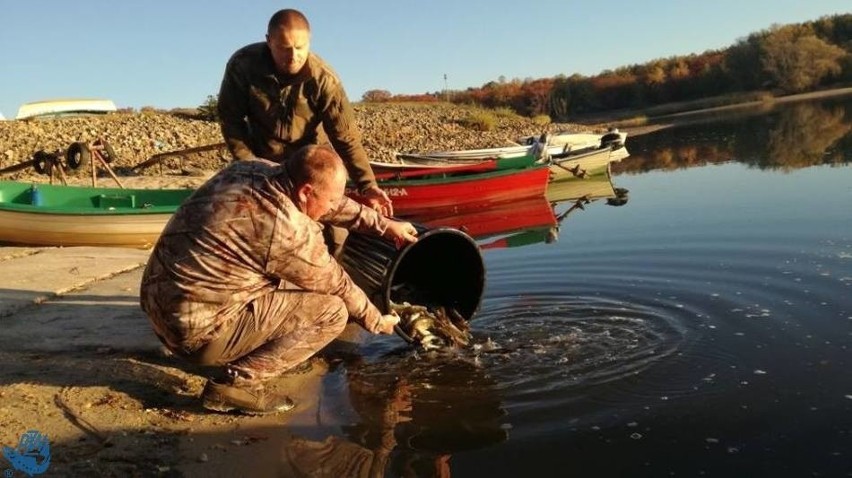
x: 171, y: 53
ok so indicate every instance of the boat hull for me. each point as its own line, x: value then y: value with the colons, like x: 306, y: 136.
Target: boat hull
x: 581, y: 164
x: 34, y: 229
x: 574, y: 141
x: 411, y: 196
x: 65, y: 107
x: 47, y: 215
x: 423, y: 165
x: 578, y: 164
x: 472, y: 154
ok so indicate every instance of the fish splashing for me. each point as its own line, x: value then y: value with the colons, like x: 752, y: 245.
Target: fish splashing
x: 433, y: 329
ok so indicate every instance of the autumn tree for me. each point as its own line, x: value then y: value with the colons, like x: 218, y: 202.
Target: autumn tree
x: 560, y: 99
x: 536, y: 97
x: 742, y: 63
x: 796, y: 60
x: 376, y: 96
x: 789, y: 59
x: 584, y: 97
x: 616, y: 89
x: 708, y: 75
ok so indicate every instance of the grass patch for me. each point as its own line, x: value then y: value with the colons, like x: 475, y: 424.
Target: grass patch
x: 505, y: 112
x: 541, y: 120
x: 480, y: 120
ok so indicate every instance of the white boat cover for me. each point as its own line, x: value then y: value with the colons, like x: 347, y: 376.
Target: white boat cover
x: 64, y: 107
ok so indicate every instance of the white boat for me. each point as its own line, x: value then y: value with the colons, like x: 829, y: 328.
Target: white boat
x: 581, y: 164
x: 65, y: 107
x: 555, y: 146
x: 472, y: 154
x: 533, y: 148
x: 564, y: 143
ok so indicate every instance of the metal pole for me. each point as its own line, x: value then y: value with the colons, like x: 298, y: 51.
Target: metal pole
x: 446, y: 90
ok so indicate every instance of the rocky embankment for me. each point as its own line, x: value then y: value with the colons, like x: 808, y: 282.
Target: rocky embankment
x: 387, y: 129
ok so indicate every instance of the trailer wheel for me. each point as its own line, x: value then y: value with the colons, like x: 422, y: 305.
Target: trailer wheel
x: 41, y: 162
x: 78, y: 155
x: 108, y: 153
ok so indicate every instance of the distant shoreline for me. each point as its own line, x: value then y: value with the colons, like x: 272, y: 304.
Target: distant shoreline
x: 655, y: 123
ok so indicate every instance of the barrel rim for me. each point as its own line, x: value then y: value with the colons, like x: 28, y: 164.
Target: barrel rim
x: 386, y: 289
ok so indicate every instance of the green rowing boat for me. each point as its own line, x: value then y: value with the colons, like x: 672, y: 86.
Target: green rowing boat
x: 47, y: 215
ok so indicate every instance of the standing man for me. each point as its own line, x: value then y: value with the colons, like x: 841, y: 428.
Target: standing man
x: 276, y: 94
x: 241, y: 277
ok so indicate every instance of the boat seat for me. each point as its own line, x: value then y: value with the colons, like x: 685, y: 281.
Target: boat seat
x: 107, y: 201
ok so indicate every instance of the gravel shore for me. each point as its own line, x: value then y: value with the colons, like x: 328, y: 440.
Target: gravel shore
x: 387, y: 129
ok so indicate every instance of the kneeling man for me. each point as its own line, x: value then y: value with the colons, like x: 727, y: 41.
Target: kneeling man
x: 242, y: 277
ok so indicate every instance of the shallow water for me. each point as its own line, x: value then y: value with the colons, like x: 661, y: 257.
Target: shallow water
x: 702, y: 329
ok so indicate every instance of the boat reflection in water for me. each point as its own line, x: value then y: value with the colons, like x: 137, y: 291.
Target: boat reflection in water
x: 529, y: 220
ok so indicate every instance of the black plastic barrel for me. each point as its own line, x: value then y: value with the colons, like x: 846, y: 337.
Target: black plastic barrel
x: 443, y: 268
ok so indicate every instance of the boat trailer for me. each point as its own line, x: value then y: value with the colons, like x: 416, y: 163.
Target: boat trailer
x: 97, y: 154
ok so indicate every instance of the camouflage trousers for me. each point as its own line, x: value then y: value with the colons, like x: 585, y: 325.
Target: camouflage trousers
x: 274, y: 334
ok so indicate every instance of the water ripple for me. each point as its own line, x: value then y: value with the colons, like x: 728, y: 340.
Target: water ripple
x: 538, y: 343
x: 608, y: 329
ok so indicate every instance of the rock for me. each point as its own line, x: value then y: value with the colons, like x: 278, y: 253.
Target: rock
x: 387, y: 129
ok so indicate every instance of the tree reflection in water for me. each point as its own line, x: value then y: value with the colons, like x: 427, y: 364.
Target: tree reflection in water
x: 787, y: 137
x: 414, y: 413
x: 804, y: 136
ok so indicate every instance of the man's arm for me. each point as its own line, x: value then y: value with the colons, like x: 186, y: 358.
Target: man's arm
x: 233, y: 110
x: 355, y: 216
x: 352, y: 215
x: 338, y: 121
x: 300, y: 256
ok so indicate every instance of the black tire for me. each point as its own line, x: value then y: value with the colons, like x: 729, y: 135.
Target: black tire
x: 108, y: 153
x: 41, y: 162
x: 78, y: 155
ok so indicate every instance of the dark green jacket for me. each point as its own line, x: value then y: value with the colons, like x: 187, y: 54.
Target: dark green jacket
x: 267, y: 115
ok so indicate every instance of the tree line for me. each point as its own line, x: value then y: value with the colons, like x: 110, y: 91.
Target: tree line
x: 780, y: 60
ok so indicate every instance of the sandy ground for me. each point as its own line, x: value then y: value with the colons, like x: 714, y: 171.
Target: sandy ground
x: 82, y: 366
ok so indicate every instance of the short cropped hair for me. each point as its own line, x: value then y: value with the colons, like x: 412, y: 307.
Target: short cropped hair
x: 314, y: 165
x: 288, y: 19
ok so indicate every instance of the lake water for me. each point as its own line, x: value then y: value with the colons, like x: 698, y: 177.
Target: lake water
x: 701, y: 329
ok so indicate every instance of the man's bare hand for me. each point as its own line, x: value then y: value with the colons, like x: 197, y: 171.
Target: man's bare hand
x: 387, y: 322
x: 378, y: 200
x: 401, y: 232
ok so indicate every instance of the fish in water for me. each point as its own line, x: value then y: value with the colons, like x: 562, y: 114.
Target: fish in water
x: 433, y: 329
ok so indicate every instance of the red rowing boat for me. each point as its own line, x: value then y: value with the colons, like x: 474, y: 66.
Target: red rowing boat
x: 418, y: 194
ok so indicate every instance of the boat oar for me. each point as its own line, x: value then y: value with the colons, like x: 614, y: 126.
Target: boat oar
x: 576, y: 171
x: 483, y: 166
